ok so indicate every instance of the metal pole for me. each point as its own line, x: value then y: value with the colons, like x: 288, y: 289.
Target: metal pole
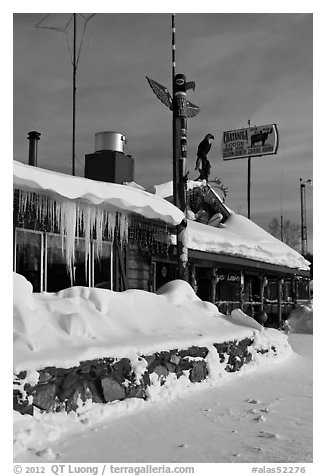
x: 282, y: 228
x: 173, y: 49
x: 175, y: 192
x: 304, y: 243
x: 249, y: 180
x: 248, y: 186
x: 74, y: 97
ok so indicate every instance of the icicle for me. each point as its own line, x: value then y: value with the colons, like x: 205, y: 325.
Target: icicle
x: 123, y: 223
x: 74, y: 219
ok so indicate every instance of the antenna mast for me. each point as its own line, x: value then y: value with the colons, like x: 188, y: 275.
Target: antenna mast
x: 74, y: 60
x: 74, y: 68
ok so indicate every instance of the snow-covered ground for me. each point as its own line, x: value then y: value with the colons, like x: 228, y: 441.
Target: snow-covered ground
x: 263, y: 416
x: 300, y: 319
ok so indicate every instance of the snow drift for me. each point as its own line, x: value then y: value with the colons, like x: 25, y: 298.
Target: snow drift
x: 300, y: 320
x: 65, y: 328
x: 79, y: 323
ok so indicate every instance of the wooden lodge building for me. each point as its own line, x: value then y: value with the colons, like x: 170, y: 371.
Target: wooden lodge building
x: 95, y: 231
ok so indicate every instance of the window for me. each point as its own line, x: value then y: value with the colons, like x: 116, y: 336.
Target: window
x: 39, y: 257
x: 57, y: 272
x: 29, y: 257
x: 102, y: 265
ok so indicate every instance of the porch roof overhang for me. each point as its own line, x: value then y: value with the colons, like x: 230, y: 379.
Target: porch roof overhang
x: 241, y: 242
x: 206, y: 259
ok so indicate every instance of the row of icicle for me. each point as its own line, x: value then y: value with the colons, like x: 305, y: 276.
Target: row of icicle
x: 74, y: 219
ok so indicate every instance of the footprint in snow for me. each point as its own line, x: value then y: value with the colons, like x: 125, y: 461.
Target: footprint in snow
x: 252, y: 410
x: 260, y: 418
x: 47, y: 453
x: 183, y: 445
x: 252, y: 400
x: 266, y: 434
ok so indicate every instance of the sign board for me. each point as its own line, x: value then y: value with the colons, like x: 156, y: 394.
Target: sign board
x: 228, y: 277
x: 250, y: 142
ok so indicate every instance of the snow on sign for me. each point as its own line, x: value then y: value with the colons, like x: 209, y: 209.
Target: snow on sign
x: 250, y: 142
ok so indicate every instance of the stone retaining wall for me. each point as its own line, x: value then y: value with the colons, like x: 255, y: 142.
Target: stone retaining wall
x: 108, y: 379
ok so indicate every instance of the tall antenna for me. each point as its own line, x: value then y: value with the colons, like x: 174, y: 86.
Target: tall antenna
x: 74, y: 69
x: 74, y: 60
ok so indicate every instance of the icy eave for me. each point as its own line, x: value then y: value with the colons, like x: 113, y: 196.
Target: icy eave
x: 116, y: 196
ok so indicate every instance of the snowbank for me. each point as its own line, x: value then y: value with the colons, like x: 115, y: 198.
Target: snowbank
x: 300, y: 320
x: 79, y: 323
x: 76, y: 324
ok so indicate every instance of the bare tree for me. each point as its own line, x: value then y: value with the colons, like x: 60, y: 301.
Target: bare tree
x: 291, y: 232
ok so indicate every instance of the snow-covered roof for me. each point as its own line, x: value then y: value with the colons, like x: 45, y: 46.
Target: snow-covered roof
x: 241, y: 237
x: 121, y: 197
x: 165, y: 190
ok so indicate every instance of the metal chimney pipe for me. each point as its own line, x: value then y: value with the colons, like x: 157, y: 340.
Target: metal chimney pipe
x: 33, y: 137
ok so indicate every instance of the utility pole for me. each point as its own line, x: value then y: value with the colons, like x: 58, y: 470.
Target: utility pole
x: 304, y: 238
x: 282, y: 234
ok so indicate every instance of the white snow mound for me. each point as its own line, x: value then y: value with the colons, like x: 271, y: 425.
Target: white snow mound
x: 300, y: 320
x: 80, y: 323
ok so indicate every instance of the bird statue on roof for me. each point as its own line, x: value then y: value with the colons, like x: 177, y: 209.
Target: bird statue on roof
x: 203, y: 164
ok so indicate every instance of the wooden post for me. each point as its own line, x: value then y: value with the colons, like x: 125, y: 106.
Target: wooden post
x: 214, y: 281
x: 193, y: 281
x: 263, y: 284
x: 241, y: 290
x: 280, y: 282
x: 294, y: 289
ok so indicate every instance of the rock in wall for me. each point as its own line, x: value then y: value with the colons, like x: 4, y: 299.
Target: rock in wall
x: 105, y: 380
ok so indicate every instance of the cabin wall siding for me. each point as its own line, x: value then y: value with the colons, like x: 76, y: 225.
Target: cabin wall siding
x: 138, y: 270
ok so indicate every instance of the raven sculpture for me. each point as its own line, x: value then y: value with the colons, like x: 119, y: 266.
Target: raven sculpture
x: 203, y: 164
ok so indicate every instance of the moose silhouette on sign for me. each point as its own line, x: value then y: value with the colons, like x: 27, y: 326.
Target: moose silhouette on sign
x: 259, y: 137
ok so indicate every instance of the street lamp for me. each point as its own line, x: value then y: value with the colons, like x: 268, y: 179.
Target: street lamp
x: 304, y: 240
